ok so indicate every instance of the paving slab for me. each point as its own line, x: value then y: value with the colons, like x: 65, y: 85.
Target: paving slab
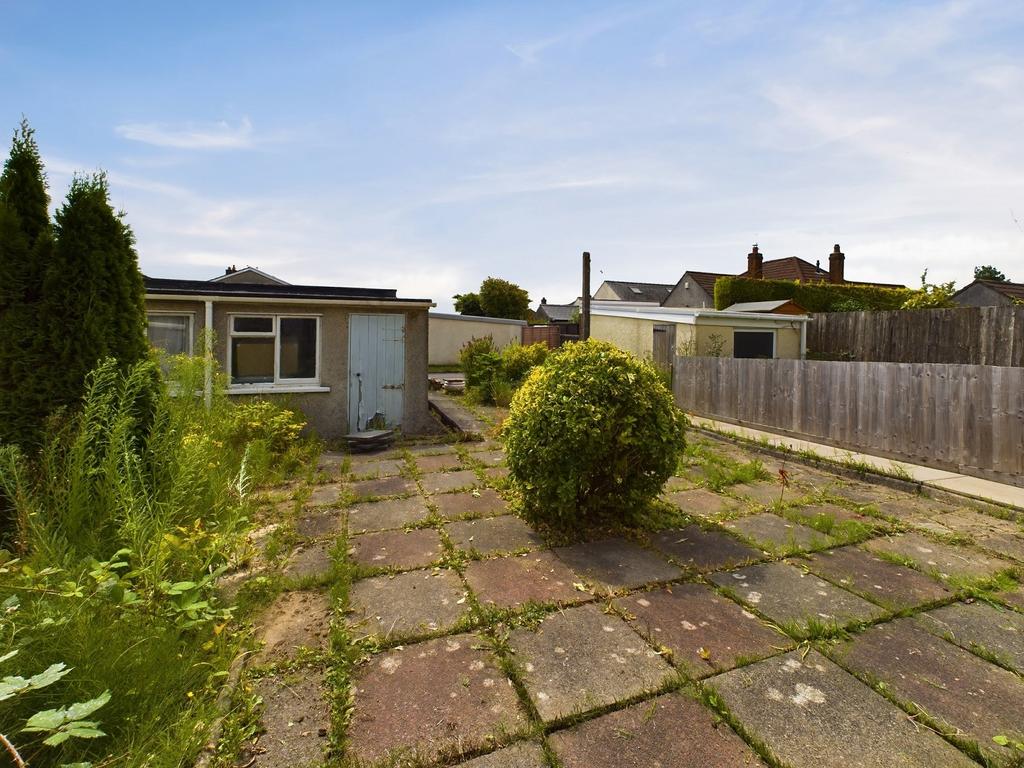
x: 322, y: 495
x: 671, y: 731
x: 837, y: 515
x: 493, y: 458
x: 809, y: 713
x: 482, y: 503
x: 297, y: 720
x: 430, y: 699
x: 376, y: 469
x: 440, y: 463
x: 300, y: 619
x: 945, y: 561
x: 538, y: 577
x: 790, y: 595
x: 617, y: 563
x: 383, y: 515
x: 862, y: 493
x: 966, y: 694
x: 524, y: 754
x: 890, y: 585
x: 705, y: 632
x: 702, y: 549
x: 431, y: 449
x: 580, y: 659
x: 700, y: 503
x: 1014, y: 598
x: 777, y: 534
x: 396, y: 549
x: 496, y: 475
x: 410, y: 603
x: 493, y: 534
x: 676, y: 483
x: 319, y: 523
x: 995, y: 631
x: 446, y: 482
x: 388, y: 486
x: 312, y: 560
x: 764, y: 494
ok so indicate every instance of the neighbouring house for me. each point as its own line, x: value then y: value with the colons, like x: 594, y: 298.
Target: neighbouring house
x: 697, y: 289
x: 340, y: 354
x: 558, y: 314
x: 450, y: 333
x: 642, y: 293
x: 660, y: 332
x: 989, y: 293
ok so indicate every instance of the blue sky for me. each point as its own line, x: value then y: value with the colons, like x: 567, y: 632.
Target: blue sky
x: 425, y: 146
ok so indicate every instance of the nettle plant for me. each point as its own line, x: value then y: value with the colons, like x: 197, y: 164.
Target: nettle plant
x: 592, y: 434
x: 55, y: 726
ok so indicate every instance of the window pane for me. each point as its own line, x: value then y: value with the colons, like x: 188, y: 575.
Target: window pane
x: 298, y: 347
x: 254, y: 325
x: 252, y: 361
x: 753, y: 344
x: 169, y: 333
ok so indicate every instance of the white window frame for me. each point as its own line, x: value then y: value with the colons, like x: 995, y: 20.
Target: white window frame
x: 312, y: 384
x: 190, y: 318
x: 775, y: 340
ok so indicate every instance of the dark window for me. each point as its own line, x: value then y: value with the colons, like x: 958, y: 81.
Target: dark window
x: 252, y: 360
x: 759, y: 344
x: 254, y: 325
x: 298, y: 348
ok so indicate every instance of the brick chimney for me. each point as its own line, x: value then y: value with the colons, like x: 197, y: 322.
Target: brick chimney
x: 755, y: 261
x: 836, y: 260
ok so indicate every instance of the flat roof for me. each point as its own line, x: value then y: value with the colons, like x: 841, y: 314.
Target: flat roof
x: 690, y: 315
x: 169, y: 287
x: 478, y: 318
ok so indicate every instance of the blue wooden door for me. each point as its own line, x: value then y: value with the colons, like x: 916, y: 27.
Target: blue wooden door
x: 376, y: 369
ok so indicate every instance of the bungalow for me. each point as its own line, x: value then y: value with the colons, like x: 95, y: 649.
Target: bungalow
x: 342, y: 355
x: 658, y: 333
x: 559, y: 314
x: 989, y: 293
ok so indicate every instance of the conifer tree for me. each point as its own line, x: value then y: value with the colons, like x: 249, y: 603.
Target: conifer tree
x: 93, y: 298
x: 25, y: 248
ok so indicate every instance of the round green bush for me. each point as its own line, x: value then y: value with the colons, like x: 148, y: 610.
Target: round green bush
x: 591, y: 434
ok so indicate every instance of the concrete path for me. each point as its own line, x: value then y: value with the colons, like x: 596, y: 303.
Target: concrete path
x: 820, y: 623
x: 976, y: 487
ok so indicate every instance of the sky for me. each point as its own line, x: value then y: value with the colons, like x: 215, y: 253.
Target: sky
x: 425, y: 146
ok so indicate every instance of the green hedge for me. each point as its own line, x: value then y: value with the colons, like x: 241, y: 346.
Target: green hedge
x: 814, y: 297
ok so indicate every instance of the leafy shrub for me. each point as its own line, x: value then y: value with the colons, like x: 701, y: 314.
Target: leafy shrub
x: 267, y: 422
x: 517, y: 360
x: 931, y: 296
x: 814, y: 297
x: 492, y: 376
x: 592, y: 433
x: 479, y: 359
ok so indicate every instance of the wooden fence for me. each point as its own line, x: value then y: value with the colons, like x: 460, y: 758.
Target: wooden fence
x: 966, y: 418
x: 552, y: 335
x: 966, y: 335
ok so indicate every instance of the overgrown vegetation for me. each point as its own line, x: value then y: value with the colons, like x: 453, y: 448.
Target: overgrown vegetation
x: 71, y: 293
x: 814, y: 297
x: 136, y: 504
x: 592, y: 433
x: 931, y: 295
x: 492, y: 377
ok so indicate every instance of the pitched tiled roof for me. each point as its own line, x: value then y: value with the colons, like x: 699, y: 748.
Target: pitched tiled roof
x: 795, y: 268
x: 625, y: 291
x: 705, y: 280
x: 1009, y: 290
x: 559, y: 313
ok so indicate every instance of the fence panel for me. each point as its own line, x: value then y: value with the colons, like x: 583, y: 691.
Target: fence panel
x: 965, y: 335
x: 966, y: 418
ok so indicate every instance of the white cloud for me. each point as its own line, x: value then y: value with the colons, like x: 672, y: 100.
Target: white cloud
x: 219, y: 135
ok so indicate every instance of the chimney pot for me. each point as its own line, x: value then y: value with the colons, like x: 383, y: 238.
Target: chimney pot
x: 836, y: 265
x: 755, y: 264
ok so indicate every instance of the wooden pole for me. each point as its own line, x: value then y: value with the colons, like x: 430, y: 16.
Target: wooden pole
x: 585, y: 309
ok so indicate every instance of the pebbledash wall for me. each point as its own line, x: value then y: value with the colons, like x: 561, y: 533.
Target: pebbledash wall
x: 449, y: 333
x: 325, y: 406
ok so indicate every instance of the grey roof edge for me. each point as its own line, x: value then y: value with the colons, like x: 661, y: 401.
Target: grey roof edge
x: 477, y: 318
x: 157, y: 286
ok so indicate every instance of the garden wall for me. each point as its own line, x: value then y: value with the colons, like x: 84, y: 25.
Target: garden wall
x: 449, y: 333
